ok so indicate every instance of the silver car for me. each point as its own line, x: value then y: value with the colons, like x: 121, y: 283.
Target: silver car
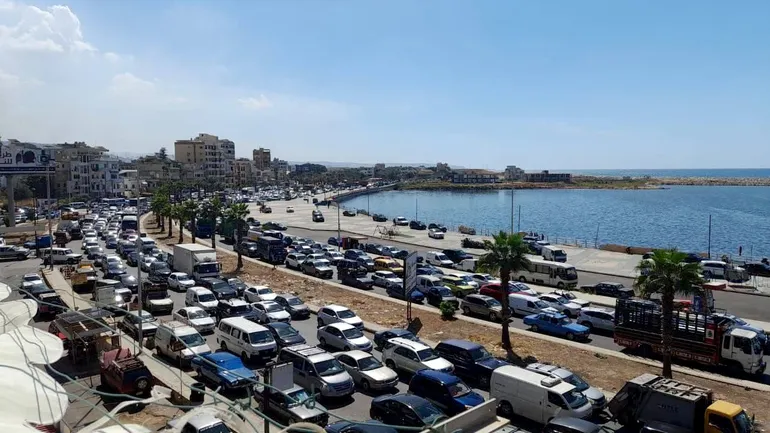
x: 597, y: 318
x: 367, y: 371
x: 482, y: 305
x: 343, y: 336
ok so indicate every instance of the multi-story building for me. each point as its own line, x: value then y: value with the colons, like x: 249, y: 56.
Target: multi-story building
x: 154, y: 172
x: 83, y: 170
x: 128, y: 182
x: 474, y: 176
x: 261, y: 158
x: 213, y: 155
x: 547, y: 177
x: 280, y: 168
x: 514, y: 173
x: 244, y: 172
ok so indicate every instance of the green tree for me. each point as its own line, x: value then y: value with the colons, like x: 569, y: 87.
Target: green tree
x: 159, y: 202
x: 507, y: 254
x: 666, y: 274
x: 179, y: 213
x: 163, y: 153
x: 212, y: 211
x: 190, y: 208
x: 168, y: 212
x: 238, y: 212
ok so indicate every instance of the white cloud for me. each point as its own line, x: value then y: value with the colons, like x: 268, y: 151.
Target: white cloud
x: 54, y: 28
x: 112, y: 57
x: 258, y: 103
x: 9, y: 80
x: 128, y: 84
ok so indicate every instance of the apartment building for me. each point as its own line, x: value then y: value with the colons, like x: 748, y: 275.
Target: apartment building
x: 245, y: 172
x: 261, y: 158
x: 208, y: 152
x: 280, y: 169
x: 474, y: 176
x: 153, y: 172
x: 83, y: 170
x: 547, y: 177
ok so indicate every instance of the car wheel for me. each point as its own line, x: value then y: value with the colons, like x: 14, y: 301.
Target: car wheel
x: 223, y: 346
x: 493, y: 317
x: 534, y: 328
x: 522, y: 279
x: 505, y: 409
x: 365, y: 385
x: 570, y: 336
x: 467, y: 311
x: 560, y: 285
x: 142, y: 385
x: 322, y: 342
x: 390, y: 364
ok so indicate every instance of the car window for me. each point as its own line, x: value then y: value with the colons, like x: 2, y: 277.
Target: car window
x: 556, y: 400
x: 236, y: 334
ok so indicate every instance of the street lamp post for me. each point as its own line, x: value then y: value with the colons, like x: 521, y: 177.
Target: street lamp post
x: 139, y: 333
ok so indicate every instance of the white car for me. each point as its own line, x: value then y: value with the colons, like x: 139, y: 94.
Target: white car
x: 258, y: 293
x: 196, y: 317
x: 343, y: 336
x: 293, y: 260
x: 111, y: 259
x: 30, y: 280
x: 467, y: 279
x: 561, y: 304
x: 597, y: 318
x: 367, y: 371
x: 180, y: 281
x: 336, y: 313
x: 88, y: 243
x: 146, y: 263
x: 271, y: 311
x: 435, y: 234
x: 484, y: 279
x: 566, y: 294
x: 386, y: 279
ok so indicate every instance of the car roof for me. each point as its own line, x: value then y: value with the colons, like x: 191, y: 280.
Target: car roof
x: 266, y: 303
x: 462, y: 344
x: 355, y: 354
x: 203, y: 420
x: 551, y: 369
x: 220, y: 356
x: 188, y: 309
x: 235, y: 302
x: 414, y: 345
x: 342, y: 326
x: 410, y: 400
x: 244, y: 324
x: 335, y: 307
x: 573, y: 423
x: 439, y: 376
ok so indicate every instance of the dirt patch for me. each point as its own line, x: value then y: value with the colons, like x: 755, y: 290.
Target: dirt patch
x: 615, y: 248
x: 607, y: 373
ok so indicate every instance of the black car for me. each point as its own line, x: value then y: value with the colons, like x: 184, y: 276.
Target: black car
x: 351, y: 266
x: 437, y: 227
x: 406, y: 410
x: 235, y: 308
x: 692, y: 258
x: 758, y: 269
x: 49, y: 304
x: 114, y: 271
x: 370, y: 426
x: 248, y: 248
x: 272, y: 225
x: 613, y: 290
x: 350, y: 277
x: 159, y: 271
x: 373, y: 249
x: 220, y: 288
x: 238, y: 285
x: 380, y: 218
x: 437, y: 295
x: 382, y: 337
x: 332, y: 241
x: 417, y: 225
x: 318, y: 216
x: 366, y: 263
x: 353, y: 254
x: 457, y: 256
x: 285, y: 334
x: 471, y: 360
x: 75, y: 232
x: 129, y: 282
x: 349, y: 213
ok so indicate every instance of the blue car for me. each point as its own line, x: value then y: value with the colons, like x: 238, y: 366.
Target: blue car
x: 398, y: 293
x: 111, y: 244
x: 446, y: 391
x: 557, y: 324
x: 227, y: 370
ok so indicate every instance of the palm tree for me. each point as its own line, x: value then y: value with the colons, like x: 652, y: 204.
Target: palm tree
x: 238, y: 212
x: 212, y: 211
x: 190, y: 208
x: 178, y: 213
x: 508, y: 253
x: 159, y: 201
x: 666, y: 274
x: 166, y: 213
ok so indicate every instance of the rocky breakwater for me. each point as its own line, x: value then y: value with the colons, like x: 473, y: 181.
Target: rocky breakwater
x: 713, y: 181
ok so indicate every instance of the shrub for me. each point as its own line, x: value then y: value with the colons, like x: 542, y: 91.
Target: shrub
x: 447, y: 309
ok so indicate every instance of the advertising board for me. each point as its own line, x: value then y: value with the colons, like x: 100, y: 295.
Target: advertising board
x: 25, y: 158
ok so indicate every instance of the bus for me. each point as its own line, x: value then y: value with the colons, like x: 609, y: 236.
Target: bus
x: 547, y: 273
x: 129, y: 222
x: 117, y: 202
x: 139, y: 203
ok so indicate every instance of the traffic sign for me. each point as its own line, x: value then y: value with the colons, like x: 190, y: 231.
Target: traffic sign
x: 410, y: 271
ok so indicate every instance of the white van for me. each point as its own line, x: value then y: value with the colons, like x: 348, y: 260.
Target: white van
x: 246, y: 339
x: 436, y: 258
x: 180, y: 342
x: 60, y: 255
x: 109, y: 295
x: 467, y: 265
x: 524, y: 305
x: 536, y: 397
x: 200, y: 297
x: 426, y: 282
x: 554, y: 254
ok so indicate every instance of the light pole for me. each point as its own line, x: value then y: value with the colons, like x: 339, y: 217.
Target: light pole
x: 48, y: 213
x: 139, y: 263
x: 339, y: 236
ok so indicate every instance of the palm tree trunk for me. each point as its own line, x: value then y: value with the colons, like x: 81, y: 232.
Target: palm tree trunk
x: 667, y: 303
x: 192, y: 228
x: 181, y: 230
x: 239, y: 237
x: 170, y: 227
x: 505, y: 277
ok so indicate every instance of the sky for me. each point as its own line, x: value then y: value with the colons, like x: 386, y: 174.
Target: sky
x: 539, y: 84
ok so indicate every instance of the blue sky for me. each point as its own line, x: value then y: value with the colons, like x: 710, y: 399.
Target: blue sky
x: 538, y: 84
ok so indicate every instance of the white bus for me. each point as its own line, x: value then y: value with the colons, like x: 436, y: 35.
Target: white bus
x: 547, y: 273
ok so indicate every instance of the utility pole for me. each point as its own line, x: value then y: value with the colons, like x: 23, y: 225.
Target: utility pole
x: 709, y: 252
x: 48, y: 214
x: 512, y: 212
x: 519, y: 228
x: 139, y: 265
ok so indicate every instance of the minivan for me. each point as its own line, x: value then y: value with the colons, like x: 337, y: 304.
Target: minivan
x: 446, y: 391
x: 317, y: 370
x: 245, y: 338
x: 436, y: 258
x: 553, y: 254
x: 535, y: 396
x: 524, y: 305
x: 180, y: 342
x: 201, y: 297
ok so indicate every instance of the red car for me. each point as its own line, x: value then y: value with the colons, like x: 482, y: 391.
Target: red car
x: 495, y: 290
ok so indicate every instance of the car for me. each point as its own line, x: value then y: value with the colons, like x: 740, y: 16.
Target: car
x: 411, y: 356
x: 196, y: 317
x: 382, y: 337
x: 437, y: 295
x: 120, y: 371
x: 561, y: 304
x: 386, y: 279
x: 293, y: 305
x: 235, y: 308
x: 471, y: 360
x: 336, y: 313
x: 367, y: 371
x: 134, y: 258
x: 370, y: 426
x: 180, y: 281
x: 435, y: 234
x: 317, y: 216
x: 133, y: 320
x: 258, y: 293
x: 594, y: 396
x: 405, y: 410
x: 289, y: 209
x: 247, y: 248
x: 417, y: 225
x: 557, y: 324
x: 374, y: 249
x: 483, y: 306
x: 270, y: 311
x: 400, y: 221
x: 757, y: 269
x: 14, y: 252
x: 145, y: 263
x: 495, y: 290
x: 380, y: 218
x: 237, y: 284
x: 613, y: 290
x: 285, y: 334
x: 467, y: 279
x: 457, y: 256
x: 320, y: 268
x: 225, y: 370
x: 398, y: 292
x: 388, y: 264
x: 571, y: 297
x: 130, y: 282
x: 334, y: 257
x: 114, y: 271
x: 219, y: 287
x: 439, y: 227
x: 571, y: 425
x: 457, y: 285
x: 343, y: 336
x: 349, y: 213
x: 354, y: 254
x: 288, y: 405
x: 293, y: 260
x: 446, y: 391
x: 29, y: 280
x: 159, y: 271
x: 366, y: 262
x: 273, y: 225
x: 332, y: 241
x: 428, y: 269
x: 111, y: 243
x: 351, y: 278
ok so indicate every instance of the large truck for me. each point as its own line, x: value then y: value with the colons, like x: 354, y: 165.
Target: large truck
x: 652, y: 404
x: 198, y: 261
x: 697, y: 337
x: 271, y: 250
x: 110, y: 295
x: 204, y: 228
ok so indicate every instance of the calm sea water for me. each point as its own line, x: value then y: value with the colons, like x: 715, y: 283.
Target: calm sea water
x: 698, y: 172
x: 675, y: 217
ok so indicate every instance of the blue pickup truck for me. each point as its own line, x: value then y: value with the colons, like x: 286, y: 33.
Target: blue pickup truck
x: 224, y: 369
x: 557, y: 324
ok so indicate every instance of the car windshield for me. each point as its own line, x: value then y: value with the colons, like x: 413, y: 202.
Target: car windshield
x: 346, y: 314
x: 441, y: 257
x: 494, y: 303
x: 286, y: 331
x: 329, y: 367
x: 206, y: 297
x: 540, y: 304
x: 428, y: 413
x: 157, y: 294
x: 393, y: 265
x: 352, y: 333
x: 480, y: 353
x: 743, y: 423
x: 295, y: 398
x: 183, y: 277
x: 571, y: 274
x: 387, y: 275
x: 294, y: 301
x: 241, y: 309
x: 560, y: 300
x: 443, y: 291
x: 426, y: 354
x: 260, y: 337
x: 192, y: 340
x: 273, y: 308
x: 197, y: 314
x: 458, y: 389
x: 577, y: 381
x: 369, y: 363
x: 575, y: 399
x: 568, y: 295
x: 147, y: 317
x: 264, y: 291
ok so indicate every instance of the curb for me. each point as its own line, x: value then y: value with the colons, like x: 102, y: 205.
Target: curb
x: 547, y: 338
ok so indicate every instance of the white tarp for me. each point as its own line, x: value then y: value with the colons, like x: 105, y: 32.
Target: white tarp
x: 14, y: 314
x: 30, y: 345
x: 30, y: 395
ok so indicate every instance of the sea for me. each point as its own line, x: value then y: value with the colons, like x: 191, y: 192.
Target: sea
x: 731, y: 219
x: 719, y: 173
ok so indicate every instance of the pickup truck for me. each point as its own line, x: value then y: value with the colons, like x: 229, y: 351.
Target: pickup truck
x: 121, y: 371
x: 224, y: 369
x: 286, y: 405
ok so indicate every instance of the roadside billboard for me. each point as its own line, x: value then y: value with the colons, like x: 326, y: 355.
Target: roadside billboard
x: 25, y: 158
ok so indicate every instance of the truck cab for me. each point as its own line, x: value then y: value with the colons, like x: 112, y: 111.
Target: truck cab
x: 155, y: 298
x: 744, y: 348
x: 110, y: 295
